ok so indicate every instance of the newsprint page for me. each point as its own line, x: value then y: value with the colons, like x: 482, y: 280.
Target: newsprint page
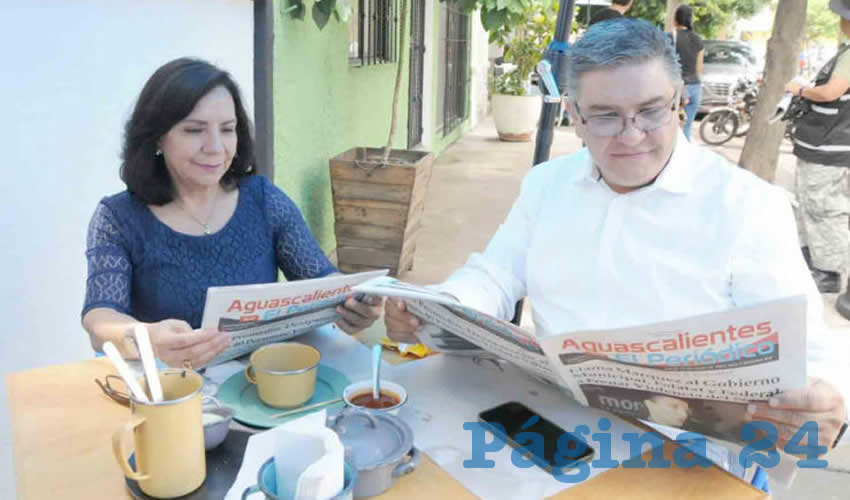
x: 258, y: 314
x: 697, y: 373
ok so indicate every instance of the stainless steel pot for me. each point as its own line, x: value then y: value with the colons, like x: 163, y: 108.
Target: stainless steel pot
x: 378, y: 445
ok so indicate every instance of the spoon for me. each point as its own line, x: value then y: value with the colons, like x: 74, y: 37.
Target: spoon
x: 143, y: 341
x: 376, y: 372
x: 124, y: 370
x: 305, y: 408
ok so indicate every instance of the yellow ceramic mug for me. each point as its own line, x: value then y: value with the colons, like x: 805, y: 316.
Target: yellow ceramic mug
x: 168, y: 436
x: 285, y: 373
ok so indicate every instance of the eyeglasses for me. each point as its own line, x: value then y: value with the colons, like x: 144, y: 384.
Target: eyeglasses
x: 612, y: 124
x: 116, y: 395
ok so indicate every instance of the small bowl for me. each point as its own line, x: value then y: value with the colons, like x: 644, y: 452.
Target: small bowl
x: 357, y: 388
x: 216, y: 432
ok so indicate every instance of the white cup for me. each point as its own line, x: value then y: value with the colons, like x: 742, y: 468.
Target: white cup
x: 365, y: 387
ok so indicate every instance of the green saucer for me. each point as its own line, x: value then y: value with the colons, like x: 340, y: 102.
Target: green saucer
x: 241, y: 395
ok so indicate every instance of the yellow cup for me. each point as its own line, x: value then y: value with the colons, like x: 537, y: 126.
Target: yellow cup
x: 285, y: 373
x: 168, y: 438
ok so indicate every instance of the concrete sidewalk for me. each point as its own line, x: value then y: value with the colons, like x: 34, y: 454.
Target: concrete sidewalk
x: 474, y: 184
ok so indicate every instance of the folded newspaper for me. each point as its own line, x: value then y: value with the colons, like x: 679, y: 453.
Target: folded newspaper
x: 258, y: 314
x: 697, y: 373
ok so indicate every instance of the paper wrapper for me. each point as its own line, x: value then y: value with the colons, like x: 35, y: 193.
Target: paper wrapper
x: 411, y: 350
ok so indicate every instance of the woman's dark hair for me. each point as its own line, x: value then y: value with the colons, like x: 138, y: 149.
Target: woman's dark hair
x: 684, y: 16
x: 168, y: 97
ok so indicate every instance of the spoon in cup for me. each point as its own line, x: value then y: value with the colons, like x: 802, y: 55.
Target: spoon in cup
x: 376, y: 371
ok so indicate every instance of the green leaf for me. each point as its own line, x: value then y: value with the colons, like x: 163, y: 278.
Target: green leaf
x: 501, y: 4
x: 516, y: 7
x: 492, y: 20
x: 320, y: 16
x: 326, y: 6
x: 294, y: 8
x: 342, y: 10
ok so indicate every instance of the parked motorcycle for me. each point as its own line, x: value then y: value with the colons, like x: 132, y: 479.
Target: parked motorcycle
x: 722, y: 124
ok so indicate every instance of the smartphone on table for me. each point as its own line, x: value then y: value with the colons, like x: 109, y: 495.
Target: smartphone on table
x: 513, y: 415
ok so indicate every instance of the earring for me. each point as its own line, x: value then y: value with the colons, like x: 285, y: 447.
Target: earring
x: 158, y: 152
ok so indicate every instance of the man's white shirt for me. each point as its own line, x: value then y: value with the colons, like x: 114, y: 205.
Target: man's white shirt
x: 705, y: 236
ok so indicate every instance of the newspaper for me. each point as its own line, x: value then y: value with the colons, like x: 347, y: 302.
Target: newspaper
x: 697, y: 373
x: 258, y: 314
x: 456, y: 329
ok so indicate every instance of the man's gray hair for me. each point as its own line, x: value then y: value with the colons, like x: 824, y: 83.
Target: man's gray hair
x: 620, y: 42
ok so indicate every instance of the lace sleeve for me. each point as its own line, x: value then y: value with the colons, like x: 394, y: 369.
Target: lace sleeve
x: 298, y: 253
x: 109, y: 268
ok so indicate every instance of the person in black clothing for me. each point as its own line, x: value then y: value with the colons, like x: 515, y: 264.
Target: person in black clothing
x: 689, y: 46
x: 617, y: 9
x: 822, y: 148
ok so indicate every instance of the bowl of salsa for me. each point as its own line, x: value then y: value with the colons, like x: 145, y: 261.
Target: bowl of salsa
x: 359, y: 395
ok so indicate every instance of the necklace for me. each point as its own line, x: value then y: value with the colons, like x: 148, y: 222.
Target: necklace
x: 205, y: 225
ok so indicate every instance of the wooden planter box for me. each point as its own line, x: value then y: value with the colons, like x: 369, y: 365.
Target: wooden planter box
x: 378, y: 208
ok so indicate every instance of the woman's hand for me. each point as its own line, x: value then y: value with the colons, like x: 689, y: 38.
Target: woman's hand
x: 357, y: 315
x: 176, y: 343
x: 401, y: 325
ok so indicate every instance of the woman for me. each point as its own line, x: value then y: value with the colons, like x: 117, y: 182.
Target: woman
x: 822, y: 148
x: 689, y: 46
x: 193, y: 216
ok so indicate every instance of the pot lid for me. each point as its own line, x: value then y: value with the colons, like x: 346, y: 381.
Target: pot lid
x: 371, y: 439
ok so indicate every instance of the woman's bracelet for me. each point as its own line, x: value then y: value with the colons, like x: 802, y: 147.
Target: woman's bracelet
x: 800, y: 92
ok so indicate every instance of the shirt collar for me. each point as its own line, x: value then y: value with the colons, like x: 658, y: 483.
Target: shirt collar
x: 674, y: 178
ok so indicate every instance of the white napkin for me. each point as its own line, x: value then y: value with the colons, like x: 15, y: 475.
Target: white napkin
x: 781, y: 108
x: 319, y: 475
x: 308, y: 459
x: 785, y: 101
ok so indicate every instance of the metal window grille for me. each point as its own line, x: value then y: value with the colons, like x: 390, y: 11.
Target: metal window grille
x: 373, y: 33
x: 417, y: 67
x: 456, y: 68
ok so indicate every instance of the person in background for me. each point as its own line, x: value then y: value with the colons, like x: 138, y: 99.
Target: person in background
x: 822, y: 148
x: 689, y: 46
x: 642, y: 227
x: 617, y: 9
x: 193, y: 216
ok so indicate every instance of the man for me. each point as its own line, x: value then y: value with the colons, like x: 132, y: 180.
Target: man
x: 617, y: 9
x: 822, y: 148
x: 642, y: 227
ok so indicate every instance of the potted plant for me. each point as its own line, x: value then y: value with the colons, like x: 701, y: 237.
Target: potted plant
x: 379, y: 194
x: 524, y: 38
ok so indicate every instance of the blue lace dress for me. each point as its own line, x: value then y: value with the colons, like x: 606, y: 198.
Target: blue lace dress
x: 139, y: 266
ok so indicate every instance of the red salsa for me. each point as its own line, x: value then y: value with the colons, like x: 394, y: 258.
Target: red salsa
x: 365, y: 400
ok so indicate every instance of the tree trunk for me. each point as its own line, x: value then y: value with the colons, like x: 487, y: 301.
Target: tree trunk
x: 401, y: 54
x: 761, y: 148
x: 669, y: 12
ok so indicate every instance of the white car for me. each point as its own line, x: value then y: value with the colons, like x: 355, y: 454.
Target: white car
x: 725, y: 63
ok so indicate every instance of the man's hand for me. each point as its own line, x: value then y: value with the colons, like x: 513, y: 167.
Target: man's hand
x: 819, y: 402
x: 174, y: 342
x: 401, y: 325
x: 792, y: 87
x: 357, y: 315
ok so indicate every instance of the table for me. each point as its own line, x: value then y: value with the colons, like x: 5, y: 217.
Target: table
x: 62, y: 426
